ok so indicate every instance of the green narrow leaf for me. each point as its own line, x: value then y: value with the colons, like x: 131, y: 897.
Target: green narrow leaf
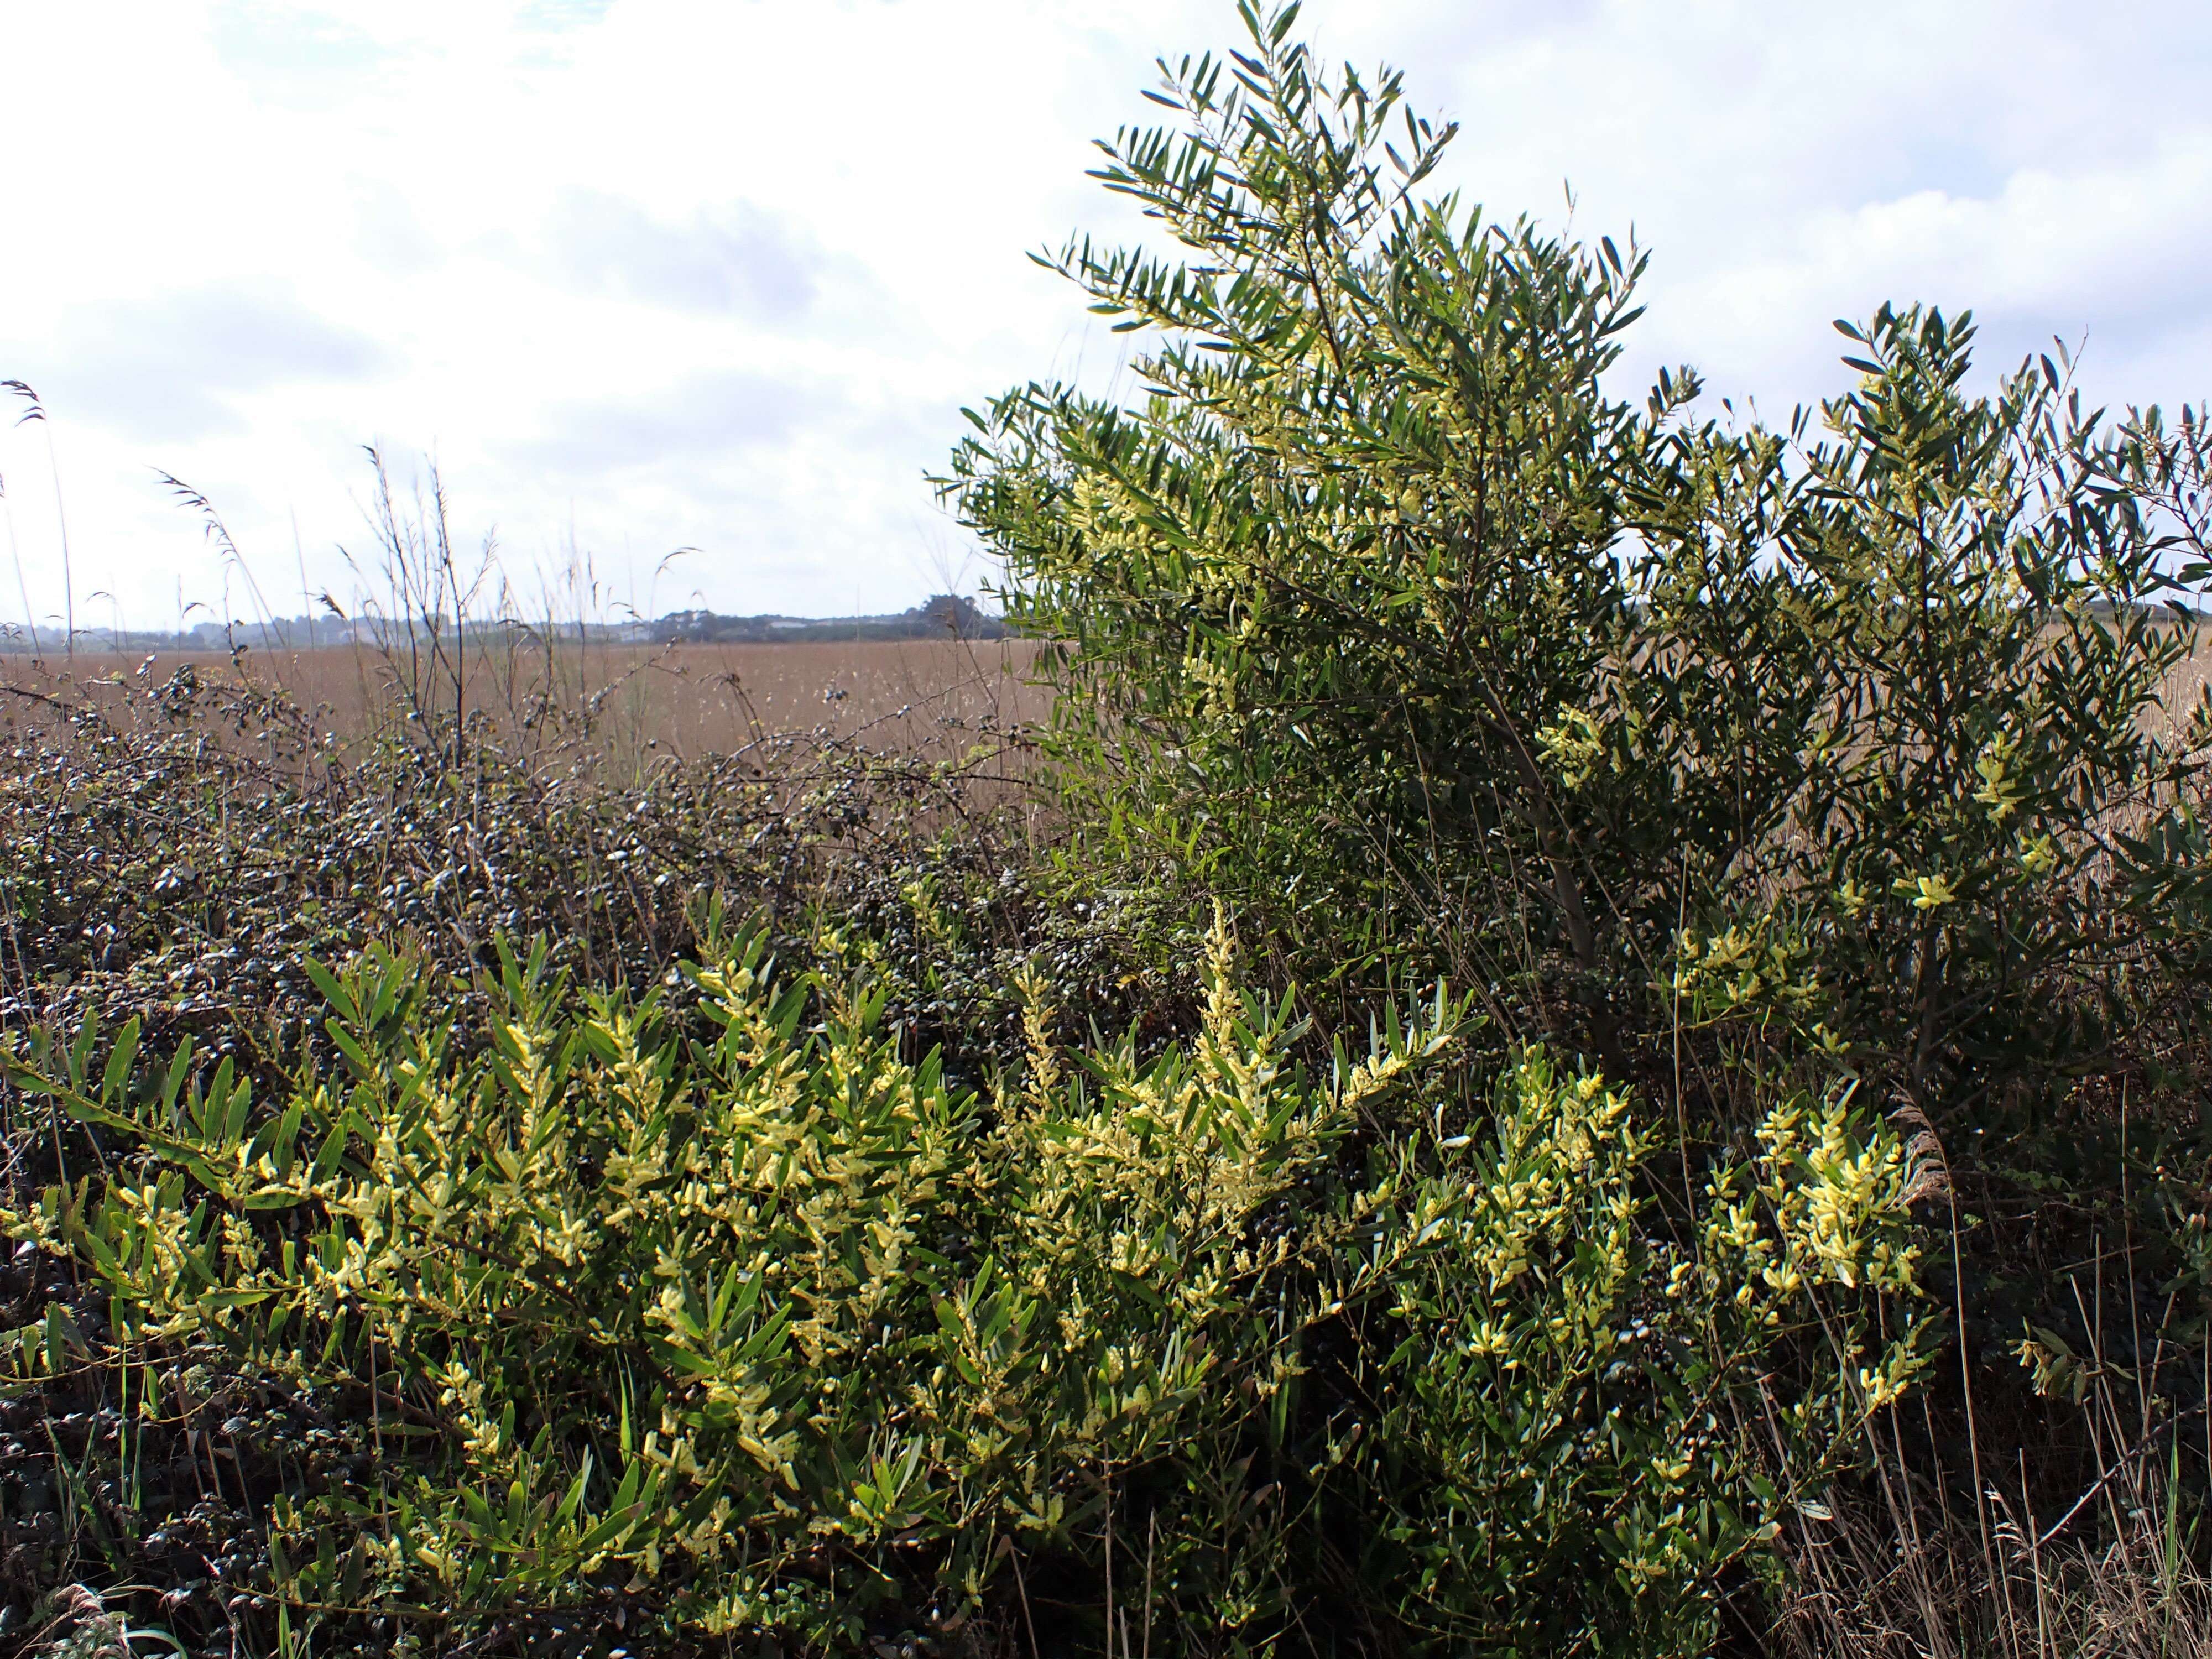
x: 79, y: 1057
x: 180, y: 1066
x: 120, y: 1061
x: 240, y: 1107
x: 334, y: 991
x: 286, y: 1146
x: 355, y: 1056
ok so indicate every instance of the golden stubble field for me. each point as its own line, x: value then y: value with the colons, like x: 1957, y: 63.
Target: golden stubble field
x: 938, y: 699
x: 914, y: 697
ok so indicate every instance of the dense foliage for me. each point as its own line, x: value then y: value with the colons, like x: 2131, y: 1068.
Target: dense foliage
x: 712, y: 1313
x: 1715, y: 1157
x: 1738, y: 759
x: 1437, y: 650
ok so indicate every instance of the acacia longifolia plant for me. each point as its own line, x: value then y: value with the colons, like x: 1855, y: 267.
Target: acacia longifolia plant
x: 1381, y: 613
x: 668, y: 1319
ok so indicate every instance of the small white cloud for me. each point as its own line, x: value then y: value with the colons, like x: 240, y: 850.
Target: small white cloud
x: 711, y: 415
x: 557, y: 16
x: 172, y: 367
x: 731, y: 257
x: 255, y: 37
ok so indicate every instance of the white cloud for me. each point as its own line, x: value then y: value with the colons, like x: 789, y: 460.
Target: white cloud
x: 703, y: 272
x: 733, y: 257
x: 181, y: 361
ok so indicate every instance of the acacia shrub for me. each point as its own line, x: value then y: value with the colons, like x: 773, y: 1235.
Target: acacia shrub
x: 1743, y: 758
x: 1384, y: 617
x: 670, y: 1317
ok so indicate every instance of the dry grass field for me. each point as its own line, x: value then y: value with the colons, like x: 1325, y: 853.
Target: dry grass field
x: 923, y: 697
x: 2190, y: 678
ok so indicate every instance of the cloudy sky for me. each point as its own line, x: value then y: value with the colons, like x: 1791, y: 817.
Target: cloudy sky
x: 718, y: 274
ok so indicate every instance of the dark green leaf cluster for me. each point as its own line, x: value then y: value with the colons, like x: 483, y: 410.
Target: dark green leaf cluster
x: 1379, y: 613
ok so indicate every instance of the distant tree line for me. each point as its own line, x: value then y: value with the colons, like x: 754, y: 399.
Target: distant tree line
x: 943, y: 616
